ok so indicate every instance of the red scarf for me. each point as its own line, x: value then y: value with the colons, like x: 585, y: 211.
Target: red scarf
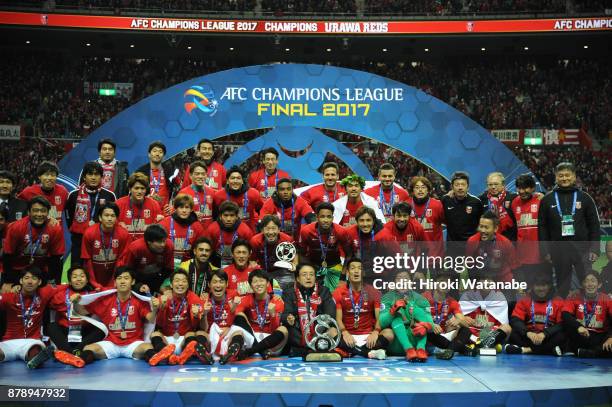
x: 108, y: 183
x: 303, y: 314
x: 82, y: 211
x: 498, y: 203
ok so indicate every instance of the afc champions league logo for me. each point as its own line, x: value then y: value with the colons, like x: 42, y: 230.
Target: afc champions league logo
x: 203, y: 100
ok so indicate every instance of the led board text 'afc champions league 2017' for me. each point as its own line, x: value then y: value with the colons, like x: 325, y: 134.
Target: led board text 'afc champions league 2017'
x: 294, y: 101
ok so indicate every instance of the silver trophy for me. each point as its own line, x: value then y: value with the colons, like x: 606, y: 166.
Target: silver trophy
x: 286, y: 252
x: 487, y: 338
x: 321, y: 342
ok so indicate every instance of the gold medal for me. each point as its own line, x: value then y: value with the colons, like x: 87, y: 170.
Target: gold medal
x: 324, y: 264
x: 123, y: 335
x: 356, y: 324
x: 91, y: 223
x: 31, y: 260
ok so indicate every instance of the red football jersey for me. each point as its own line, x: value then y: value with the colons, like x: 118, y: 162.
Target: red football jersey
x: 137, y: 217
x: 431, y: 216
x: 177, y: 233
x: 138, y: 256
x: 238, y: 279
x: 215, y: 177
x: 221, y: 312
x: 159, y: 186
x: 264, y: 183
x: 348, y: 218
x: 249, y: 202
x: 34, y: 307
x: 203, y: 203
x: 407, y: 239
x: 442, y: 311
x: 27, y: 242
x: 545, y: 313
x: 387, y: 199
x: 101, y: 255
x: 336, y: 243
x: 106, y: 309
x: 318, y: 194
x: 365, y: 307
x: 176, y: 316
x: 527, y: 242
x: 291, y: 217
x: 60, y: 305
x: 259, y: 315
x: 57, y: 197
x: 222, y: 240
x: 264, y: 253
x: 597, y: 315
x: 500, y: 254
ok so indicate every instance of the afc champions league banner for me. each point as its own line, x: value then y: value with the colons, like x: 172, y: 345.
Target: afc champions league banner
x: 295, y: 101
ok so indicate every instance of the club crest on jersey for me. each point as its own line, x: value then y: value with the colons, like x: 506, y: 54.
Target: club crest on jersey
x: 147, y: 213
x: 102, y: 201
x: 507, y: 204
x: 578, y: 204
x: 113, y: 312
x: 45, y: 238
x: 410, y: 238
x: 534, y: 207
x: 497, y: 253
x: 97, y: 244
x: 468, y: 209
x: 332, y: 239
x: 518, y: 209
x: 128, y: 214
x: 428, y: 212
x: 115, y: 243
x: 215, y: 173
x: 58, y: 200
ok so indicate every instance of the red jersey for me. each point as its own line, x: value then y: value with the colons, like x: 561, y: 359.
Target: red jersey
x: 112, y: 312
x: 57, y: 197
x: 203, y: 203
x: 348, y: 218
x: 593, y: 315
x: 33, y: 310
x: 387, y: 199
x: 60, y: 304
x: 249, y: 202
x: 238, y: 279
x: 362, y: 245
x: 265, y: 183
x: 526, y: 215
x: 215, y: 177
x: 318, y: 194
x: 363, y: 307
x: 264, y: 253
x: 442, y: 311
x: 499, y: 254
x: 539, y: 315
x: 176, y: 316
x: 138, y: 255
x: 431, y: 216
x: 159, y: 185
x: 29, y: 243
x: 183, y: 237
x: 407, y: 239
x: 258, y: 313
x: 222, y: 240
x: 480, y: 314
x: 324, y: 246
x: 221, y: 312
x: 137, y: 217
x: 291, y: 217
x: 101, y: 254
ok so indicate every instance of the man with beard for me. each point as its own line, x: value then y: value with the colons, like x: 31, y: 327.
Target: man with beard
x: 114, y: 173
x: 321, y: 243
x: 57, y: 195
x: 82, y: 205
x: 24, y: 313
x: 163, y: 176
x: 32, y: 241
x: 386, y: 193
x: 304, y: 303
x: 224, y: 231
x: 152, y: 259
x: 103, y: 244
x: 265, y: 180
x: 137, y: 211
x: 568, y: 217
x: 248, y: 199
x: 461, y: 210
x: 290, y: 209
x: 183, y: 228
x: 329, y: 191
x: 405, y: 231
x: 361, y: 237
x: 536, y: 321
x: 16, y: 207
x: 199, y: 268
x: 202, y: 194
x: 264, y: 246
x: 498, y: 200
x: 347, y: 206
x: 215, y: 172
x: 429, y: 212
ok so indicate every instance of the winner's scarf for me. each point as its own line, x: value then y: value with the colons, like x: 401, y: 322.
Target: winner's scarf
x: 83, y: 210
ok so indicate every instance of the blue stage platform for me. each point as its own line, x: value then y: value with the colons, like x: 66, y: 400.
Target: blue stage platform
x: 503, y: 380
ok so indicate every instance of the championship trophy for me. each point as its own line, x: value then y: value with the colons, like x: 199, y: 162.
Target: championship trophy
x: 487, y: 339
x: 286, y: 252
x: 322, y: 343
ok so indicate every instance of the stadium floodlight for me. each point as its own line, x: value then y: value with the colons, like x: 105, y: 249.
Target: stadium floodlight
x: 586, y: 47
x: 189, y: 47
x: 28, y: 41
x: 287, y: 49
x: 426, y: 49
x: 526, y: 48
x: 328, y: 49
x: 231, y: 48
x: 131, y: 45
x: 88, y: 45
x: 384, y: 50
x: 483, y: 49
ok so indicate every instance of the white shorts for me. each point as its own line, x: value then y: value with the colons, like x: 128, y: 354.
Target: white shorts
x: 113, y: 351
x: 178, y: 342
x: 360, y: 340
x: 219, y: 347
x: 15, y: 349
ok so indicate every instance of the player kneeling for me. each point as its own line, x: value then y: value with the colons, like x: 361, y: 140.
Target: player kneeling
x: 24, y: 315
x: 124, y: 315
x: 179, y: 333
x: 257, y: 321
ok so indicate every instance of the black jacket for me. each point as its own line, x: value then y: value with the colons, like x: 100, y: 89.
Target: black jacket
x: 171, y: 174
x: 461, y: 216
x: 509, y: 233
x: 586, y: 218
x: 17, y: 209
x: 327, y: 306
